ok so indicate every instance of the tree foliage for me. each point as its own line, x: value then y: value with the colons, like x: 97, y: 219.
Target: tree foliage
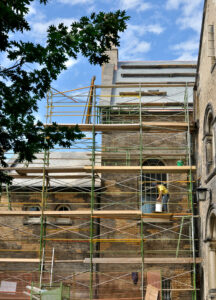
x: 21, y: 89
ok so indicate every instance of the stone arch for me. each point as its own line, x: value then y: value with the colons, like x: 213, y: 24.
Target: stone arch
x: 63, y: 207
x: 208, y: 118
x: 210, y: 238
x: 208, y: 138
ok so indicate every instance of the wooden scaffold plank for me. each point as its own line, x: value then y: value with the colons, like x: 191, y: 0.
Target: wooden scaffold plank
x: 147, y: 260
x: 168, y: 126
x: 112, y: 260
x: 95, y: 213
x: 102, y: 169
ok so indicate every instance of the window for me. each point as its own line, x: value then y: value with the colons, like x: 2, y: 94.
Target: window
x: 33, y: 208
x: 149, y: 194
x: 211, y: 47
x: 62, y: 208
x: 63, y: 220
x: 32, y: 220
x: 208, y: 140
x: 166, y: 289
x: 212, y: 254
x: 211, y: 43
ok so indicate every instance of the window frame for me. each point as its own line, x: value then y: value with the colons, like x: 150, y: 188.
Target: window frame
x: 32, y: 220
x: 64, y: 221
x: 209, y: 140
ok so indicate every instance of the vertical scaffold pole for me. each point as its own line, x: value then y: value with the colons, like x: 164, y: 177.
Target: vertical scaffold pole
x: 44, y: 189
x: 42, y: 219
x: 92, y: 200
x: 52, y: 266
x: 41, y: 269
x: 141, y: 196
x: 190, y: 195
x: 8, y: 197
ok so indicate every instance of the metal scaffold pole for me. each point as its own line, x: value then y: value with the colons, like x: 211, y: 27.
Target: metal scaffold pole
x: 87, y: 233
x: 190, y: 195
x: 141, y: 195
x: 8, y: 197
x: 44, y: 193
x: 92, y: 200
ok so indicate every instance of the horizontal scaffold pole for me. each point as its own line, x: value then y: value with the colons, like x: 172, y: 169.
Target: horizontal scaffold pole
x: 147, y: 126
x: 146, y: 84
x: 147, y: 260
x: 101, y: 169
x: 111, y: 260
x: 84, y: 176
x: 96, y: 213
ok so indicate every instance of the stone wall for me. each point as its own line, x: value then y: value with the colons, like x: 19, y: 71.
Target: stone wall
x: 122, y: 191
x: 205, y: 96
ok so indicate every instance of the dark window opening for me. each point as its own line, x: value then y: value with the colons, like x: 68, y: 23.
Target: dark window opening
x: 63, y: 208
x: 208, y: 127
x: 65, y: 220
x: 149, y: 193
x: 33, y: 208
x: 32, y: 220
x: 166, y: 289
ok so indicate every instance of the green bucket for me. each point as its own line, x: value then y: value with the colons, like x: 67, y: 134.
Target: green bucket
x: 180, y: 163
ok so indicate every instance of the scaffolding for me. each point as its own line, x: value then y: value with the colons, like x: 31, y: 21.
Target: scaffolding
x: 85, y: 216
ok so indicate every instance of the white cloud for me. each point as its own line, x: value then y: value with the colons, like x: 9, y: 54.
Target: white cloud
x: 188, y: 6
x: 75, y: 2
x: 141, y: 47
x: 187, y: 50
x: 38, y: 117
x: 32, y: 10
x: 190, y: 45
x: 71, y: 62
x: 39, y: 29
x: 39, y: 24
x: 190, y: 18
x: 5, y: 62
x: 156, y: 28
x: 193, y: 22
x: 34, y: 14
x: 143, y: 29
x: 133, y: 45
x: 186, y: 57
x: 191, y: 13
x: 173, y: 4
x: 138, y: 5
x: 135, y: 50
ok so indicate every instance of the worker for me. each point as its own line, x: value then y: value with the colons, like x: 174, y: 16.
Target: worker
x: 163, y: 195
x: 135, y: 277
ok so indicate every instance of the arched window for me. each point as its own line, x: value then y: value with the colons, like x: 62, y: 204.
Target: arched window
x: 149, y: 193
x: 63, y: 208
x: 212, y: 254
x: 32, y: 220
x: 33, y: 208
x: 208, y: 139
x: 63, y: 220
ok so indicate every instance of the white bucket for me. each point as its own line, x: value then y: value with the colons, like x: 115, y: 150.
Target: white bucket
x: 158, y: 207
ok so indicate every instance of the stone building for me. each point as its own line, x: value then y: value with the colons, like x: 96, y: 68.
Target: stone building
x: 205, y: 117
x: 151, y: 93
x: 30, y: 238
x: 88, y: 218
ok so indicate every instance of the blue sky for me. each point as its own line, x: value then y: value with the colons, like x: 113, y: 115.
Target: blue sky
x: 157, y: 30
